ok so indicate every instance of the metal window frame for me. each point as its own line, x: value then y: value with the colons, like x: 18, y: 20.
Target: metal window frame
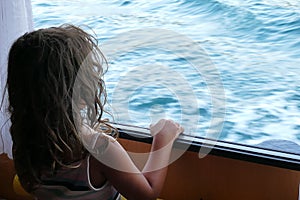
x: 226, y: 149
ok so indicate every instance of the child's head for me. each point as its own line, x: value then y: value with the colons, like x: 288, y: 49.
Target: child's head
x: 44, y: 100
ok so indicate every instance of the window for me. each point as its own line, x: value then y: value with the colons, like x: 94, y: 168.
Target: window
x: 227, y: 70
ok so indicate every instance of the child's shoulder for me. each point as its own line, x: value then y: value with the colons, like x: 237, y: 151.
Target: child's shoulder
x: 94, y: 140
x: 87, y: 131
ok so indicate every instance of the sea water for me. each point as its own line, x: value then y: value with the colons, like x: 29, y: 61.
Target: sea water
x: 251, y: 46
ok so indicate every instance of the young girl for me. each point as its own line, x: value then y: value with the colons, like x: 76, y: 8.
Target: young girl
x: 53, y: 75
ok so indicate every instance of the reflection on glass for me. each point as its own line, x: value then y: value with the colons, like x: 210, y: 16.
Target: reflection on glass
x: 255, y: 47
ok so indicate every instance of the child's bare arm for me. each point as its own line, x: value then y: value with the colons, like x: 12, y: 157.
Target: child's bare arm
x: 118, y: 168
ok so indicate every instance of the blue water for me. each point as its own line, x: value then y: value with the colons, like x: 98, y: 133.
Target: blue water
x: 254, y: 46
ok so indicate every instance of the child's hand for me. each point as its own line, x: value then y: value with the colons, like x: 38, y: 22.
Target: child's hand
x: 165, y: 130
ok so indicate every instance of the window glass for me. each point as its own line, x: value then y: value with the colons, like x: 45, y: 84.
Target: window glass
x: 227, y: 70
